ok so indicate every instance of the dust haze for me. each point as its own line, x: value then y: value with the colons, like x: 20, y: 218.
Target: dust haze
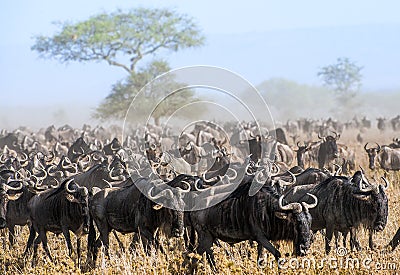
x: 286, y: 100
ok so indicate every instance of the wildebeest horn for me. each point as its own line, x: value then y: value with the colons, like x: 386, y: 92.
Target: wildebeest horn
x: 320, y: 137
x: 112, y: 147
x: 3, y: 158
x: 153, y: 147
x: 363, y: 177
x: 25, y: 157
x: 18, y: 175
x: 45, y: 173
x: 386, y: 183
x: 163, y: 193
x: 210, y: 180
x: 49, y: 170
x: 338, y: 171
x: 187, y: 185
x: 67, y: 186
x: 277, y: 169
x: 295, y: 206
x: 234, y: 172
x: 64, y: 162
x: 8, y: 187
x: 371, y: 187
x: 336, y: 134
x: 247, y: 169
x: 57, y: 185
x: 38, y: 186
x: 110, y: 175
x: 293, y: 177
x: 309, y: 206
x: 257, y: 177
x: 195, y: 185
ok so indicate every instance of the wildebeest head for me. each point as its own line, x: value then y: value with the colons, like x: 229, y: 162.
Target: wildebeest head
x: 175, y: 217
x: 5, y: 197
x: 118, y: 169
x: 79, y: 195
x: 302, y: 149
x: 374, y: 195
x: 372, y: 153
x: 78, y: 148
x: 67, y: 167
x: 300, y: 218
x: 113, y: 147
x: 329, y: 143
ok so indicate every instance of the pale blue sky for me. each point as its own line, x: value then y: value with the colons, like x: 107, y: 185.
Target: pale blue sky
x: 257, y: 39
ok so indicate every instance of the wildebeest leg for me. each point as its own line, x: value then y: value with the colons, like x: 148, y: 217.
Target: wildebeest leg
x: 134, y: 241
x: 266, y: 243
x: 91, y: 242
x: 148, y: 240
x: 260, y: 254
x: 328, y: 238
x: 337, y: 237
x: 67, y: 237
x: 78, y: 250
x: 43, y: 237
x: 192, y: 239
x: 121, y: 245
x: 35, y: 247
x: 205, y: 243
x: 345, y: 234
x: 354, y: 243
x: 32, y: 235
x: 104, y: 237
x: 11, y: 235
x: 96, y: 246
x: 372, y: 246
x: 395, y: 241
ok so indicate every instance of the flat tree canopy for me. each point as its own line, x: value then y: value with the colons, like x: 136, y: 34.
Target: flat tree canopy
x: 344, y: 77
x: 122, y: 39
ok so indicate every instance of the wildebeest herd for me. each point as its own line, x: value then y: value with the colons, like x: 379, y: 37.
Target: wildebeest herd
x: 90, y: 181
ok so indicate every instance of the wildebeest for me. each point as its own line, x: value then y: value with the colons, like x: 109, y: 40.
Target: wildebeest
x: 126, y: 209
x: 113, y: 147
x: 344, y: 204
x: 59, y: 210
x: 79, y: 147
x: 17, y: 209
x: 388, y: 158
x: 328, y: 150
x: 263, y: 217
x: 5, y: 197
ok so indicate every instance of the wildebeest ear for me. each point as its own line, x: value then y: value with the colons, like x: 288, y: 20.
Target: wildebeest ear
x: 362, y: 197
x: 281, y: 215
x: 70, y: 197
x: 157, y: 206
x: 14, y: 196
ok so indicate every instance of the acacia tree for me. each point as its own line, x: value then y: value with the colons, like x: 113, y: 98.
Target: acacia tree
x: 344, y: 77
x: 117, y: 103
x: 121, y: 39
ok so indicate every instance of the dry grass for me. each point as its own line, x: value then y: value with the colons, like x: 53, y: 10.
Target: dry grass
x: 240, y: 259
